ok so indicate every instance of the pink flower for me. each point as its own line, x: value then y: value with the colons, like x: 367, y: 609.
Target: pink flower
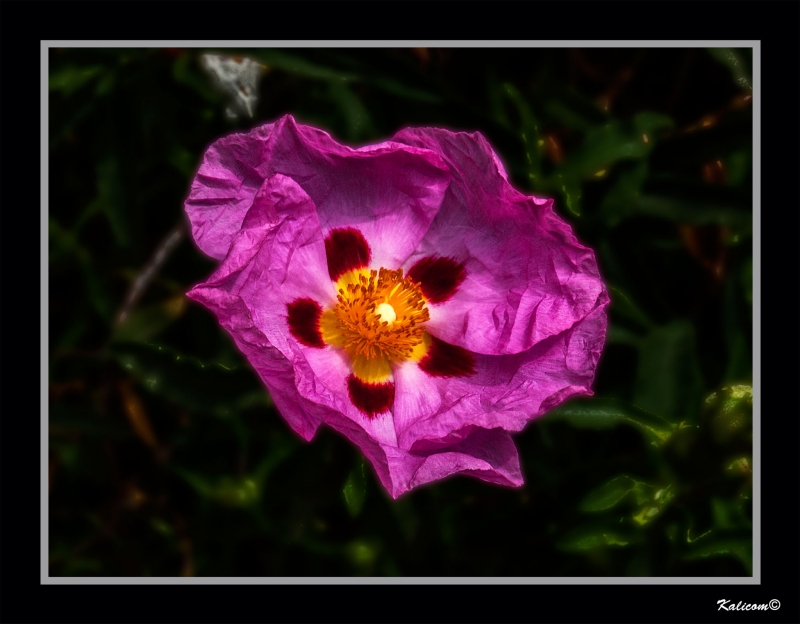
x: 402, y: 293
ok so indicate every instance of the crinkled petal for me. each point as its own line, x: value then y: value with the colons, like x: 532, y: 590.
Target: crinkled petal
x: 489, y: 455
x: 222, y: 192
x: 390, y: 192
x: 506, y: 391
x: 278, y: 249
x: 276, y: 258
x: 527, y: 278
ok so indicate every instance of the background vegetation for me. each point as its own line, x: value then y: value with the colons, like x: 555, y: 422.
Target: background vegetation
x: 166, y: 455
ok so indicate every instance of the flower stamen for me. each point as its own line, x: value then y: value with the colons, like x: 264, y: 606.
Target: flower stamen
x: 378, y: 315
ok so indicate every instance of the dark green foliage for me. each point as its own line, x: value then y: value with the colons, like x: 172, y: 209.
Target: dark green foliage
x: 166, y: 454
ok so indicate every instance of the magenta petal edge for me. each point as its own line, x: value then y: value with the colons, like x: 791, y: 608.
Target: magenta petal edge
x: 404, y: 293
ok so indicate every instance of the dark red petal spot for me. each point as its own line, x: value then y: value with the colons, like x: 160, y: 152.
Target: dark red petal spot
x: 304, y: 315
x: 370, y: 398
x: 347, y: 249
x: 446, y: 360
x: 439, y: 278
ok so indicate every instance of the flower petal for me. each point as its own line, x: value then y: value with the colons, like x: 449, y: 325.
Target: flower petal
x: 389, y: 191
x: 506, y: 391
x: 489, y: 455
x: 526, y: 276
x: 279, y: 250
x: 223, y: 190
x: 276, y: 258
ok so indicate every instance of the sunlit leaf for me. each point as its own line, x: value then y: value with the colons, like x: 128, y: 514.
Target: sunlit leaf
x: 730, y: 412
x: 652, y: 510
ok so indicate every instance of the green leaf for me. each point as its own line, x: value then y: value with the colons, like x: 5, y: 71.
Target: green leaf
x: 63, y: 242
x: 69, y: 79
x: 721, y: 543
x: 740, y: 167
x: 590, y: 537
x: 613, y: 492
x: 607, y: 413
x: 622, y: 336
x: 395, y: 87
x: 668, y: 378
x: 574, y: 111
x: 363, y: 553
x: 618, y: 202
x: 224, y: 490
x: 529, y: 130
x: 206, y: 388
x: 277, y: 454
x: 571, y: 188
x: 355, y: 489
x: 730, y: 412
x: 616, y: 140
x: 728, y: 514
x: 295, y: 64
x: 622, y: 304
x: 661, y: 499
x: 739, y: 63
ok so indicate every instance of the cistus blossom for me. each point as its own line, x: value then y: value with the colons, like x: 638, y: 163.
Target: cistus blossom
x: 403, y: 293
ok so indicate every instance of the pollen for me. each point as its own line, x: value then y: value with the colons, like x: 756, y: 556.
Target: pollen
x: 379, y: 315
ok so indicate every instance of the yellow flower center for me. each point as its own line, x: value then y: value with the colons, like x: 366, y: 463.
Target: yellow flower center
x: 379, y: 318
